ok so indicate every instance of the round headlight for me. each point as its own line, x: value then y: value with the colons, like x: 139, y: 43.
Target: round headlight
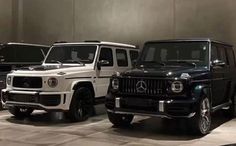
x: 177, y: 87
x: 52, y: 82
x: 115, y: 84
x: 8, y: 80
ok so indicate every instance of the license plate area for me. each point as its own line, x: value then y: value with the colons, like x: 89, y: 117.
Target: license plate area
x: 138, y: 102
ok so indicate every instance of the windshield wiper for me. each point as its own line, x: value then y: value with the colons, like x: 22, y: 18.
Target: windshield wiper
x: 153, y: 62
x: 183, y: 61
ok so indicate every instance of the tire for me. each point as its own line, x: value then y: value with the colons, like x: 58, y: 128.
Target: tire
x: 231, y: 113
x: 120, y: 120
x: 201, y: 122
x: 81, y: 106
x: 20, y: 112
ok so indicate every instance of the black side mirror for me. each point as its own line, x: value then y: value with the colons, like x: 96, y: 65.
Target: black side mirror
x: 218, y: 63
x: 102, y: 63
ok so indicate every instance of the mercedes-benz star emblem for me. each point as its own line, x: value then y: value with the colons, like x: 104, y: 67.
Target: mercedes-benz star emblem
x: 141, y: 86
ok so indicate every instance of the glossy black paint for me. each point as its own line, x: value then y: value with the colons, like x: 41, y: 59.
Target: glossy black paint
x: 215, y: 82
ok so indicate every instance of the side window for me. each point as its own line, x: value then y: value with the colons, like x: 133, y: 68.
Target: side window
x: 230, y: 54
x: 106, y: 54
x: 214, y: 53
x: 222, y: 55
x: 133, y: 55
x: 121, y: 56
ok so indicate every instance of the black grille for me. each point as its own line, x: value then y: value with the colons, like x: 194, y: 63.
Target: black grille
x: 27, y: 82
x: 47, y: 100
x: 150, y: 86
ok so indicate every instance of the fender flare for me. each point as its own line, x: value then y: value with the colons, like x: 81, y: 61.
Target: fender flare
x: 87, y: 84
x: 202, y: 89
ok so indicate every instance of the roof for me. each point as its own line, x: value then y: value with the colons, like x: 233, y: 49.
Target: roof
x: 26, y: 44
x: 190, y: 40
x: 96, y: 43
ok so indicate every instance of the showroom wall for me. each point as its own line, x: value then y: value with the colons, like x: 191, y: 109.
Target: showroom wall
x: 5, y: 20
x: 130, y: 21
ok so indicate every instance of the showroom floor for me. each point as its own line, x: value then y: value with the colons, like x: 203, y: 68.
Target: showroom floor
x: 43, y: 129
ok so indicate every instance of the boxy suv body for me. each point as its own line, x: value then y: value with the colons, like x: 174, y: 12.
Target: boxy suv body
x: 71, y: 77
x: 176, y: 79
x: 15, y: 55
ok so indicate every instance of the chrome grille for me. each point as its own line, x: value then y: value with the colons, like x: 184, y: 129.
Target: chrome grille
x: 151, y: 86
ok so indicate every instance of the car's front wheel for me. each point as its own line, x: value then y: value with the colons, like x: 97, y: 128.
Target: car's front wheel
x: 20, y: 112
x: 232, y: 108
x: 81, y: 106
x: 201, y: 122
x: 120, y: 119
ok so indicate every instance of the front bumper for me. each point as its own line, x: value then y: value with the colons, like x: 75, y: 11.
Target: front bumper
x: 150, y: 107
x: 35, y: 99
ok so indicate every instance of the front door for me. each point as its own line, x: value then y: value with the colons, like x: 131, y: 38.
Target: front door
x: 218, y: 75
x: 103, y: 75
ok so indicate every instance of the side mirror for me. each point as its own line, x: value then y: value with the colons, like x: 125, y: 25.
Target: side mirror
x: 102, y: 63
x: 218, y: 63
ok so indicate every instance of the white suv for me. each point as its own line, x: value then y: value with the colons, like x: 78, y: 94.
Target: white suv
x: 71, y: 78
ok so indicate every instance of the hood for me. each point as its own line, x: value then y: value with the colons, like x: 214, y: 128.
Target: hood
x: 166, y: 71
x: 52, y: 70
x: 45, y: 67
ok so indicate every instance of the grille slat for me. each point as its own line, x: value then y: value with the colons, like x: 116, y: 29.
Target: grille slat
x: 152, y: 87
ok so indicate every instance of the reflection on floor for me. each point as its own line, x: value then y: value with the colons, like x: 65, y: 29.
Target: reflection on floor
x: 44, y: 129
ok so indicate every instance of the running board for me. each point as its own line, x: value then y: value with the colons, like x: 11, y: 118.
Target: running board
x: 221, y: 106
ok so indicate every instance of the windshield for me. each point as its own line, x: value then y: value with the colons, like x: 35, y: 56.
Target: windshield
x: 22, y: 54
x: 72, y: 54
x: 175, y: 53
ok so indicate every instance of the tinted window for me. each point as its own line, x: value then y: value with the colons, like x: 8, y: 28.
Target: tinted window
x: 175, y: 53
x: 106, y: 54
x: 72, y: 54
x: 222, y: 54
x: 133, y: 55
x: 214, y: 53
x: 230, y: 54
x: 121, y: 56
x: 22, y: 53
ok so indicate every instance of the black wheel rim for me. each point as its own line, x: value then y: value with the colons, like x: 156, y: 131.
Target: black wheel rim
x: 84, y: 105
x: 205, y: 117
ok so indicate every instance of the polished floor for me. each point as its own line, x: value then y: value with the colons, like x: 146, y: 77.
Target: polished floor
x: 43, y: 129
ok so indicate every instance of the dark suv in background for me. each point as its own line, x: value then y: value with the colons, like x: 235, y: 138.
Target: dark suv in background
x: 176, y: 79
x: 15, y: 55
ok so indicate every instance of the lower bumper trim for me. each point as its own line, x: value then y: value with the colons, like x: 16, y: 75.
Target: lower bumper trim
x: 150, y: 114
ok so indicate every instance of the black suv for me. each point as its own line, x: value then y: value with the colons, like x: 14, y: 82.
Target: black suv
x: 176, y: 79
x: 15, y: 55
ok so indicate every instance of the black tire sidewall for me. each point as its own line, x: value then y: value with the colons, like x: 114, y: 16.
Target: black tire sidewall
x: 78, y: 101
x: 196, y: 120
x: 117, y: 119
